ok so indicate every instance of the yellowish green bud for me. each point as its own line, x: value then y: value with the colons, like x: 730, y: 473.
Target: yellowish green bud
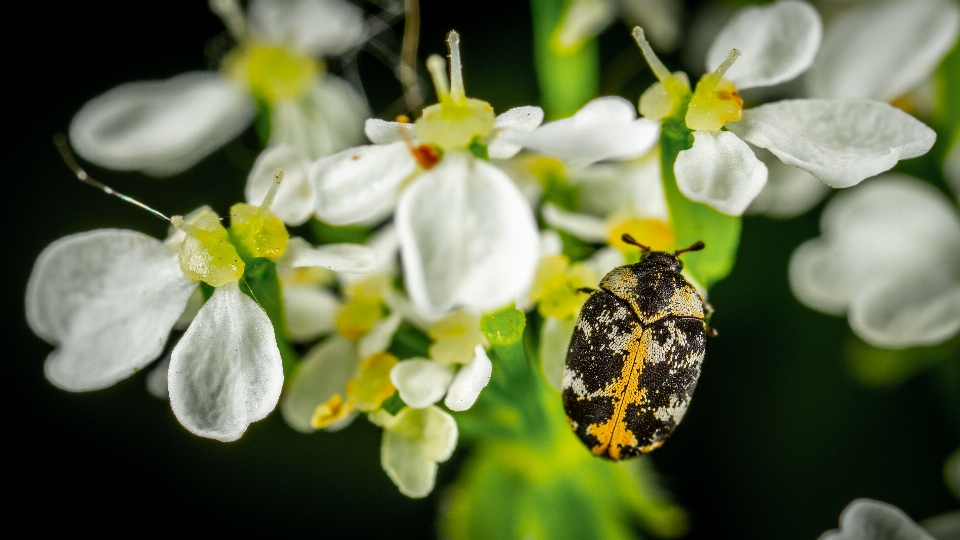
x: 256, y: 231
x: 715, y: 101
x: 206, y: 253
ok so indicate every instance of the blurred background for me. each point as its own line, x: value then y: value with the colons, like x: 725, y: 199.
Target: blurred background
x: 779, y: 437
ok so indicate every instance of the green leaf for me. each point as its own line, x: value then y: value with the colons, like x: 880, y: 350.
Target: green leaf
x: 324, y: 233
x: 694, y: 221
x: 872, y: 366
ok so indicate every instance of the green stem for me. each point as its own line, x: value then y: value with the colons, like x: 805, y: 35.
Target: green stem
x: 568, y: 78
x: 262, y: 283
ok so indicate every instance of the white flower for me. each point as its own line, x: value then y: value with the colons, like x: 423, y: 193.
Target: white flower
x: 414, y: 441
x: 889, y: 258
x: 165, y: 127
x: 839, y: 141
x: 877, y: 50
x: 107, y: 299
x: 467, y: 235
x: 866, y: 519
x: 605, y: 129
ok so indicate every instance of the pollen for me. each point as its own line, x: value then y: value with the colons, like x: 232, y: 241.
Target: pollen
x: 329, y: 412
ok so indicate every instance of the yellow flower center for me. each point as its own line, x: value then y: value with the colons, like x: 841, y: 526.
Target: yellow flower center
x: 372, y: 386
x: 327, y: 413
x: 649, y: 232
x: 715, y: 101
x: 272, y: 73
x: 211, y: 254
x: 364, y: 307
x: 456, y: 336
x: 457, y: 120
x: 556, y: 286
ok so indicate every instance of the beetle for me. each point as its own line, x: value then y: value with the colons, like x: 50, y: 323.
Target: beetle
x: 635, y: 355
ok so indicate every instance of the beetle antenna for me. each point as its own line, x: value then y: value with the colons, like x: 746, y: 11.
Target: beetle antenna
x: 633, y: 242
x: 61, y: 142
x: 697, y: 246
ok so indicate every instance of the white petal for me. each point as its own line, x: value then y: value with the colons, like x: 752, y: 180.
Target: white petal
x: 324, y: 372
x: 554, y: 341
x: 881, y: 50
x: 520, y: 119
x: 469, y: 381
x: 420, y: 438
x: 789, y: 191
x: 583, y: 226
x: 310, y: 310
x: 226, y: 372
x: 631, y: 187
x: 720, y: 170
x: 294, y: 200
x: 840, y: 142
x: 157, y: 379
x: 777, y: 42
x: 352, y: 258
x: 887, y: 229
x: 909, y: 313
x: 606, y: 128
x: 107, y: 300
x: 361, y: 182
x: 604, y: 260
x: 421, y: 382
x: 161, y: 127
x: 386, y: 245
x: 323, y: 27
x: 329, y: 119
x: 468, y: 237
x: 379, y: 337
x: 866, y: 519
x: 383, y: 132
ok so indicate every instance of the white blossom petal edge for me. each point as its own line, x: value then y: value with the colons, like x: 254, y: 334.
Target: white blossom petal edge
x: 467, y: 236
x: 414, y: 441
x: 776, y: 43
x: 841, y: 142
x: 226, y: 371
x: 866, y: 519
x: 107, y: 299
x: 469, y: 381
x: 161, y: 127
x: 720, y: 170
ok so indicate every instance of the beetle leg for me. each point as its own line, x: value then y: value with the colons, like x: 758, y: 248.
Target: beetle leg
x: 707, y: 315
x: 586, y: 290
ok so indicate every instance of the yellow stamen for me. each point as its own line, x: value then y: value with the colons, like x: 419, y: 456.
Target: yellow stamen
x: 327, y: 413
x: 438, y: 72
x: 372, y: 385
x: 715, y: 101
x: 257, y: 231
x: 663, y: 98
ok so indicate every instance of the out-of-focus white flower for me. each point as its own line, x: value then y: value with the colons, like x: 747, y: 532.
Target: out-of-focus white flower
x: 165, y: 127
x: 107, y: 299
x: 889, y: 258
x: 876, y: 50
x: 467, y: 235
x: 841, y: 142
x: 584, y: 19
x: 951, y: 167
x: 414, y: 442
x: 866, y: 519
x: 321, y: 395
x: 458, y: 367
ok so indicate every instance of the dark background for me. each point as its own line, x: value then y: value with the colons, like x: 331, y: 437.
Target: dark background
x: 778, y: 440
